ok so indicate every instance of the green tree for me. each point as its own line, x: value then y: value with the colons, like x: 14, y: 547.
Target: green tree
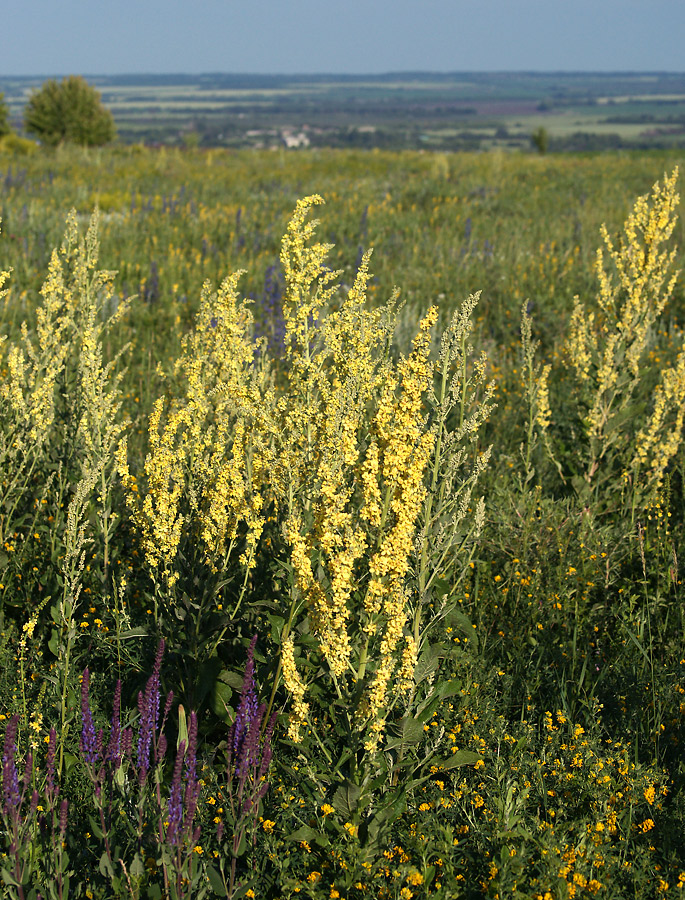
x: 4, y: 117
x: 69, y: 111
x: 540, y: 139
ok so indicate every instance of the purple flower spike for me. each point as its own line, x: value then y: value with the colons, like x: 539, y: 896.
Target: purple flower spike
x: 176, y: 798
x: 63, y: 809
x: 89, y: 741
x: 127, y: 742
x: 148, y: 704
x: 11, y: 796
x: 50, y: 762
x: 244, y: 734
x: 192, y: 791
x: 113, y: 754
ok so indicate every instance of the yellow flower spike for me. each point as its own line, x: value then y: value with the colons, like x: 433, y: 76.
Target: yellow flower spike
x: 608, y: 349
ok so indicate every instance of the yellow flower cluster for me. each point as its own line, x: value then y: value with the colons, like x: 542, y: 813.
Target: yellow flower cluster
x: 206, y: 459
x: 294, y: 684
x: 405, y: 447
x: 607, y: 347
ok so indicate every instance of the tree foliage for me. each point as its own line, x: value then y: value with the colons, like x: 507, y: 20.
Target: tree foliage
x: 69, y: 111
x: 4, y: 117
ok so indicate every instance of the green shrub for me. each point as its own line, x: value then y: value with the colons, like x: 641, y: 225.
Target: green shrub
x: 69, y: 111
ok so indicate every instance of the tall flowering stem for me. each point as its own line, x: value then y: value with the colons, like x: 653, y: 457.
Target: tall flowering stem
x: 30, y: 816
x: 353, y: 469
x: 248, y: 759
x: 632, y: 428
x: 112, y: 764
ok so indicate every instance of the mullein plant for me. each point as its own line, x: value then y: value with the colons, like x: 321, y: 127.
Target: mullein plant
x: 59, y: 395
x: 375, y: 471
x: 60, y: 424
x: 369, y: 465
x: 630, y: 414
x: 197, y: 505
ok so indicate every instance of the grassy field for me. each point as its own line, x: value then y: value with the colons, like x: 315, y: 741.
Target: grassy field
x: 309, y: 589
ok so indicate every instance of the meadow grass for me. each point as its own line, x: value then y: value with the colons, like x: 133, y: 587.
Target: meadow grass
x: 338, y: 593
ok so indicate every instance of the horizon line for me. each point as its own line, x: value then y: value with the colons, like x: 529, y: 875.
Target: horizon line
x: 385, y: 74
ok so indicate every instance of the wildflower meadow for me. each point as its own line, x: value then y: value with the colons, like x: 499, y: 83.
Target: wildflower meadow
x: 341, y: 505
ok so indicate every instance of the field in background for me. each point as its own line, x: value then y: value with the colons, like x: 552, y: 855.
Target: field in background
x: 461, y: 111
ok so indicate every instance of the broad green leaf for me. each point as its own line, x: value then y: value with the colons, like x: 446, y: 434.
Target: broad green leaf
x: 403, y: 733
x: 346, y: 799
x: 460, y: 758
x: 216, y: 882
x: 220, y: 700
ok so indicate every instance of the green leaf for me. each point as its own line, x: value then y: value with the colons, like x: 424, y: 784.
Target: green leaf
x: 69, y: 761
x: 206, y: 679
x: 277, y: 623
x: 460, y: 758
x: 132, y: 633
x: 105, y: 866
x: 53, y: 643
x: 303, y: 833
x: 441, y: 587
x: 8, y: 878
x: 233, y: 679
x: 215, y: 881
x: 220, y: 700
x: 137, y: 866
x: 448, y: 688
x: 346, y: 799
x: 95, y: 828
x: 403, y: 733
x: 457, y: 618
x: 182, y: 727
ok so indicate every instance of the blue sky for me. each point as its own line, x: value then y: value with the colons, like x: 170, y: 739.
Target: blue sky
x: 47, y: 37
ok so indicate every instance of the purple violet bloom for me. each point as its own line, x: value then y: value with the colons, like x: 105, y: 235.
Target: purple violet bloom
x: 176, y: 798
x: 89, y: 740
x: 192, y: 791
x: 113, y: 754
x: 50, y: 763
x: 148, y: 705
x: 11, y: 796
x: 127, y: 742
x: 244, y: 733
x: 63, y: 809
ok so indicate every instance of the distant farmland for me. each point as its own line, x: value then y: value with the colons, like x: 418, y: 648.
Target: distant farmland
x: 458, y: 111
